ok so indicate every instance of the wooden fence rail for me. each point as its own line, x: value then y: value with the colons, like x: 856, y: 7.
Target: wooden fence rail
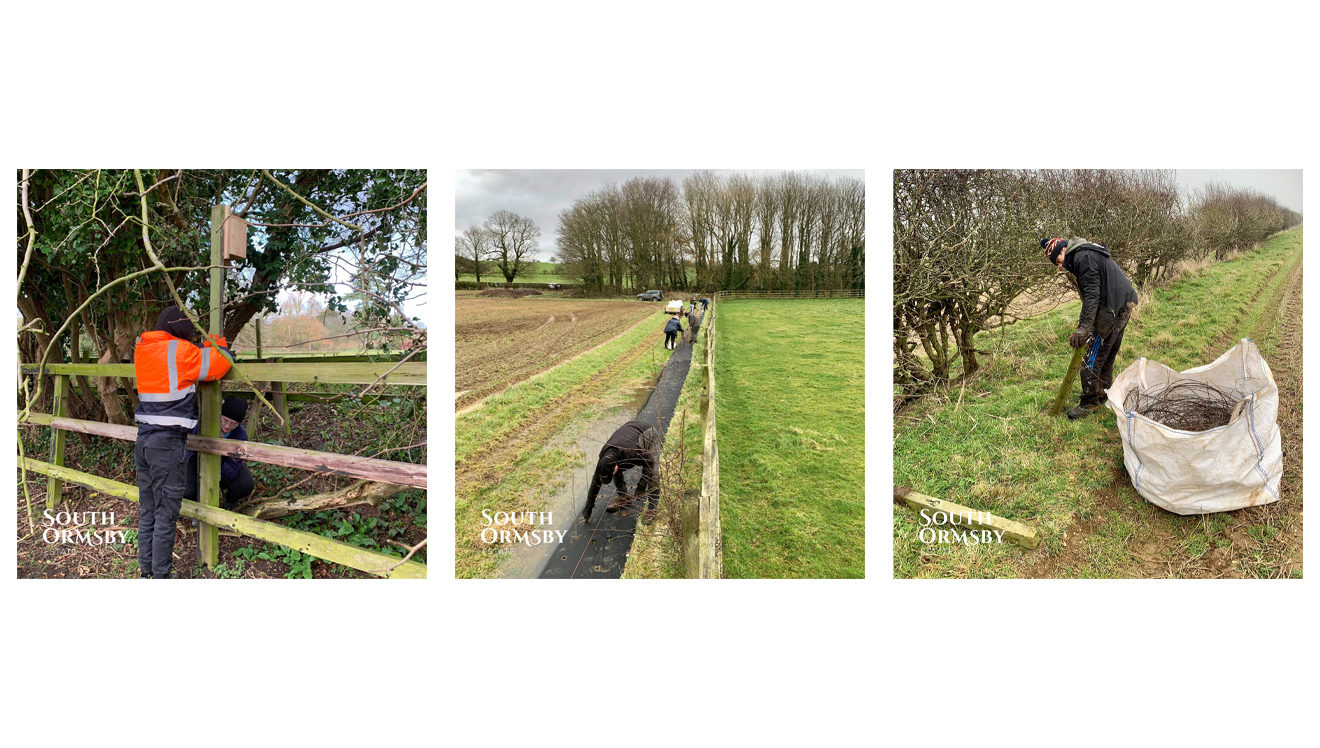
x: 331, y: 463
x: 324, y: 373
x: 312, y: 544
x: 703, y: 556
x: 206, y: 511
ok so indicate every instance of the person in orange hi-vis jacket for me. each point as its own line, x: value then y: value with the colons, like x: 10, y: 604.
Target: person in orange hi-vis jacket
x: 168, y: 366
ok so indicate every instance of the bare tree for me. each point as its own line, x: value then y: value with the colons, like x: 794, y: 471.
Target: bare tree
x: 513, y: 241
x: 475, y: 243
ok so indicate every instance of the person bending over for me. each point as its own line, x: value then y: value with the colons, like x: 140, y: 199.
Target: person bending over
x: 631, y: 445
x: 1108, y: 299
x: 236, y: 482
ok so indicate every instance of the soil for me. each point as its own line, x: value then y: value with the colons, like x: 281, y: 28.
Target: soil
x: 499, y: 342
x: 509, y: 293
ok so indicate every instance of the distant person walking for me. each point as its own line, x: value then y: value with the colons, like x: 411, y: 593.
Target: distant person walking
x: 673, y: 328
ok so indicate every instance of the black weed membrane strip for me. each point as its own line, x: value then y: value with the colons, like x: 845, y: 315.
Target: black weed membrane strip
x: 598, y: 550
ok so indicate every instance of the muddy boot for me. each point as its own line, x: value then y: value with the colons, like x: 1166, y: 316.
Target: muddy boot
x: 1082, y: 411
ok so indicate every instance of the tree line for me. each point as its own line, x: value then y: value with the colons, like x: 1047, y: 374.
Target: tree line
x: 793, y: 230
x: 966, y: 247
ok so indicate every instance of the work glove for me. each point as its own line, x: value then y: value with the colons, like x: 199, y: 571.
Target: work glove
x: 1079, y: 336
x: 586, y: 511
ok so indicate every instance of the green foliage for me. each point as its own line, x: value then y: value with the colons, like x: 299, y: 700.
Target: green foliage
x: 225, y: 571
x: 88, y: 233
x: 300, y: 564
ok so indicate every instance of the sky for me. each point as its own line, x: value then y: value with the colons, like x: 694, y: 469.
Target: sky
x: 1284, y: 185
x: 542, y: 193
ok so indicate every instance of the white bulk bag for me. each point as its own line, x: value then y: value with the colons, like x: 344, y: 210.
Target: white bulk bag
x: 1199, y: 472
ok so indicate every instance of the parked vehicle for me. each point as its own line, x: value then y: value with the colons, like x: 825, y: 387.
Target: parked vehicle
x: 674, y: 307
x: 650, y: 296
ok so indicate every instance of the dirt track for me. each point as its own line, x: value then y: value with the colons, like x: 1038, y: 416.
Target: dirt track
x: 499, y: 342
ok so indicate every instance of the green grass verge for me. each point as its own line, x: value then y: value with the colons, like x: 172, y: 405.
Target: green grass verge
x: 790, y: 388
x: 535, y: 472
x: 988, y: 445
x: 657, y: 549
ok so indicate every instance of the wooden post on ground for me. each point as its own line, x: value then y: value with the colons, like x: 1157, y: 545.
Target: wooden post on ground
x: 1062, y: 398
x: 960, y: 516
x: 59, y: 409
x: 208, y: 479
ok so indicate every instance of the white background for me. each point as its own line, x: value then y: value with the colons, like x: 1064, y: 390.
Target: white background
x: 681, y: 85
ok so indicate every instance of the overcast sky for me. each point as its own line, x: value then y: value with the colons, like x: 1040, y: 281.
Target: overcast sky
x: 1284, y: 185
x: 542, y: 193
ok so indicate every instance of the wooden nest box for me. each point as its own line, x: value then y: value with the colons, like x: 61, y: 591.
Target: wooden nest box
x: 234, y: 243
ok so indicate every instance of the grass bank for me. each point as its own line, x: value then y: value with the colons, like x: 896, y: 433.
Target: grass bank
x: 988, y: 445
x: 657, y: 549
x: 790, y: 390
x: 506, y: 457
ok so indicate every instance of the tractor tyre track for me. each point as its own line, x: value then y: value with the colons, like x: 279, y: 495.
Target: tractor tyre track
x: 490, y: 461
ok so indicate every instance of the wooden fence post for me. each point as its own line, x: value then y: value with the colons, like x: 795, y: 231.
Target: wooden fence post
x: 281, y: 402
x: 255, y: 409
x: 59, y: 409
x: 208, y: 479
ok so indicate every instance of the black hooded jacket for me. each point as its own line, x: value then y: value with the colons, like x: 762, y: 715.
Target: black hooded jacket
x: 176, y: 323
x: 1099, y: 279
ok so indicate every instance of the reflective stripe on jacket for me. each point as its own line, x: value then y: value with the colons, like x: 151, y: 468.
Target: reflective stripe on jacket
x: 168, y: 370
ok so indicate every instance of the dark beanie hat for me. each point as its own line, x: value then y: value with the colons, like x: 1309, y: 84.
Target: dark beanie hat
x: 235, y: 408
x: 173, y: 321
x: 1053, y: 248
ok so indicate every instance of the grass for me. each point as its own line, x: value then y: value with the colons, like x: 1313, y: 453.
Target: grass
x: 542, y: 272
x: 792, y: 436
x: 506, y: 455
x: 539, y: 272
x: 987, y: 444
x: 657, y: 549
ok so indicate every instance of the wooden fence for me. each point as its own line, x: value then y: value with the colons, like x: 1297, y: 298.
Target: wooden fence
x: 211, y: 517
x: 703, y: 546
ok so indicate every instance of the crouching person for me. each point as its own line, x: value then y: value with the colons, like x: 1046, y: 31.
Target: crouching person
x: 236, y: 481
x: 168, y: 366
x: 632, y: 445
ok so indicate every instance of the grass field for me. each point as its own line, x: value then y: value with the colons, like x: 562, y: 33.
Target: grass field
x: 508, y: 454
x: 790, y: 395
x: 988, y: 445
x: 539, y: 272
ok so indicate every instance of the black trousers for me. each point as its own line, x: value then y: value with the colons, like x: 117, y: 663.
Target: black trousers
x: 161, y: 456
x: 1097, y: 377
x: 231, y: 491
x: 669, y: 339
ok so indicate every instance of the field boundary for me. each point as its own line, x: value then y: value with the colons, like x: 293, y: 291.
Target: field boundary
x: 474, y: 406
x: 210, y: 516
x: 703, y: 536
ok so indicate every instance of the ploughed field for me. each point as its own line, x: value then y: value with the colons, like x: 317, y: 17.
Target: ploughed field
x: 499, y: 342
